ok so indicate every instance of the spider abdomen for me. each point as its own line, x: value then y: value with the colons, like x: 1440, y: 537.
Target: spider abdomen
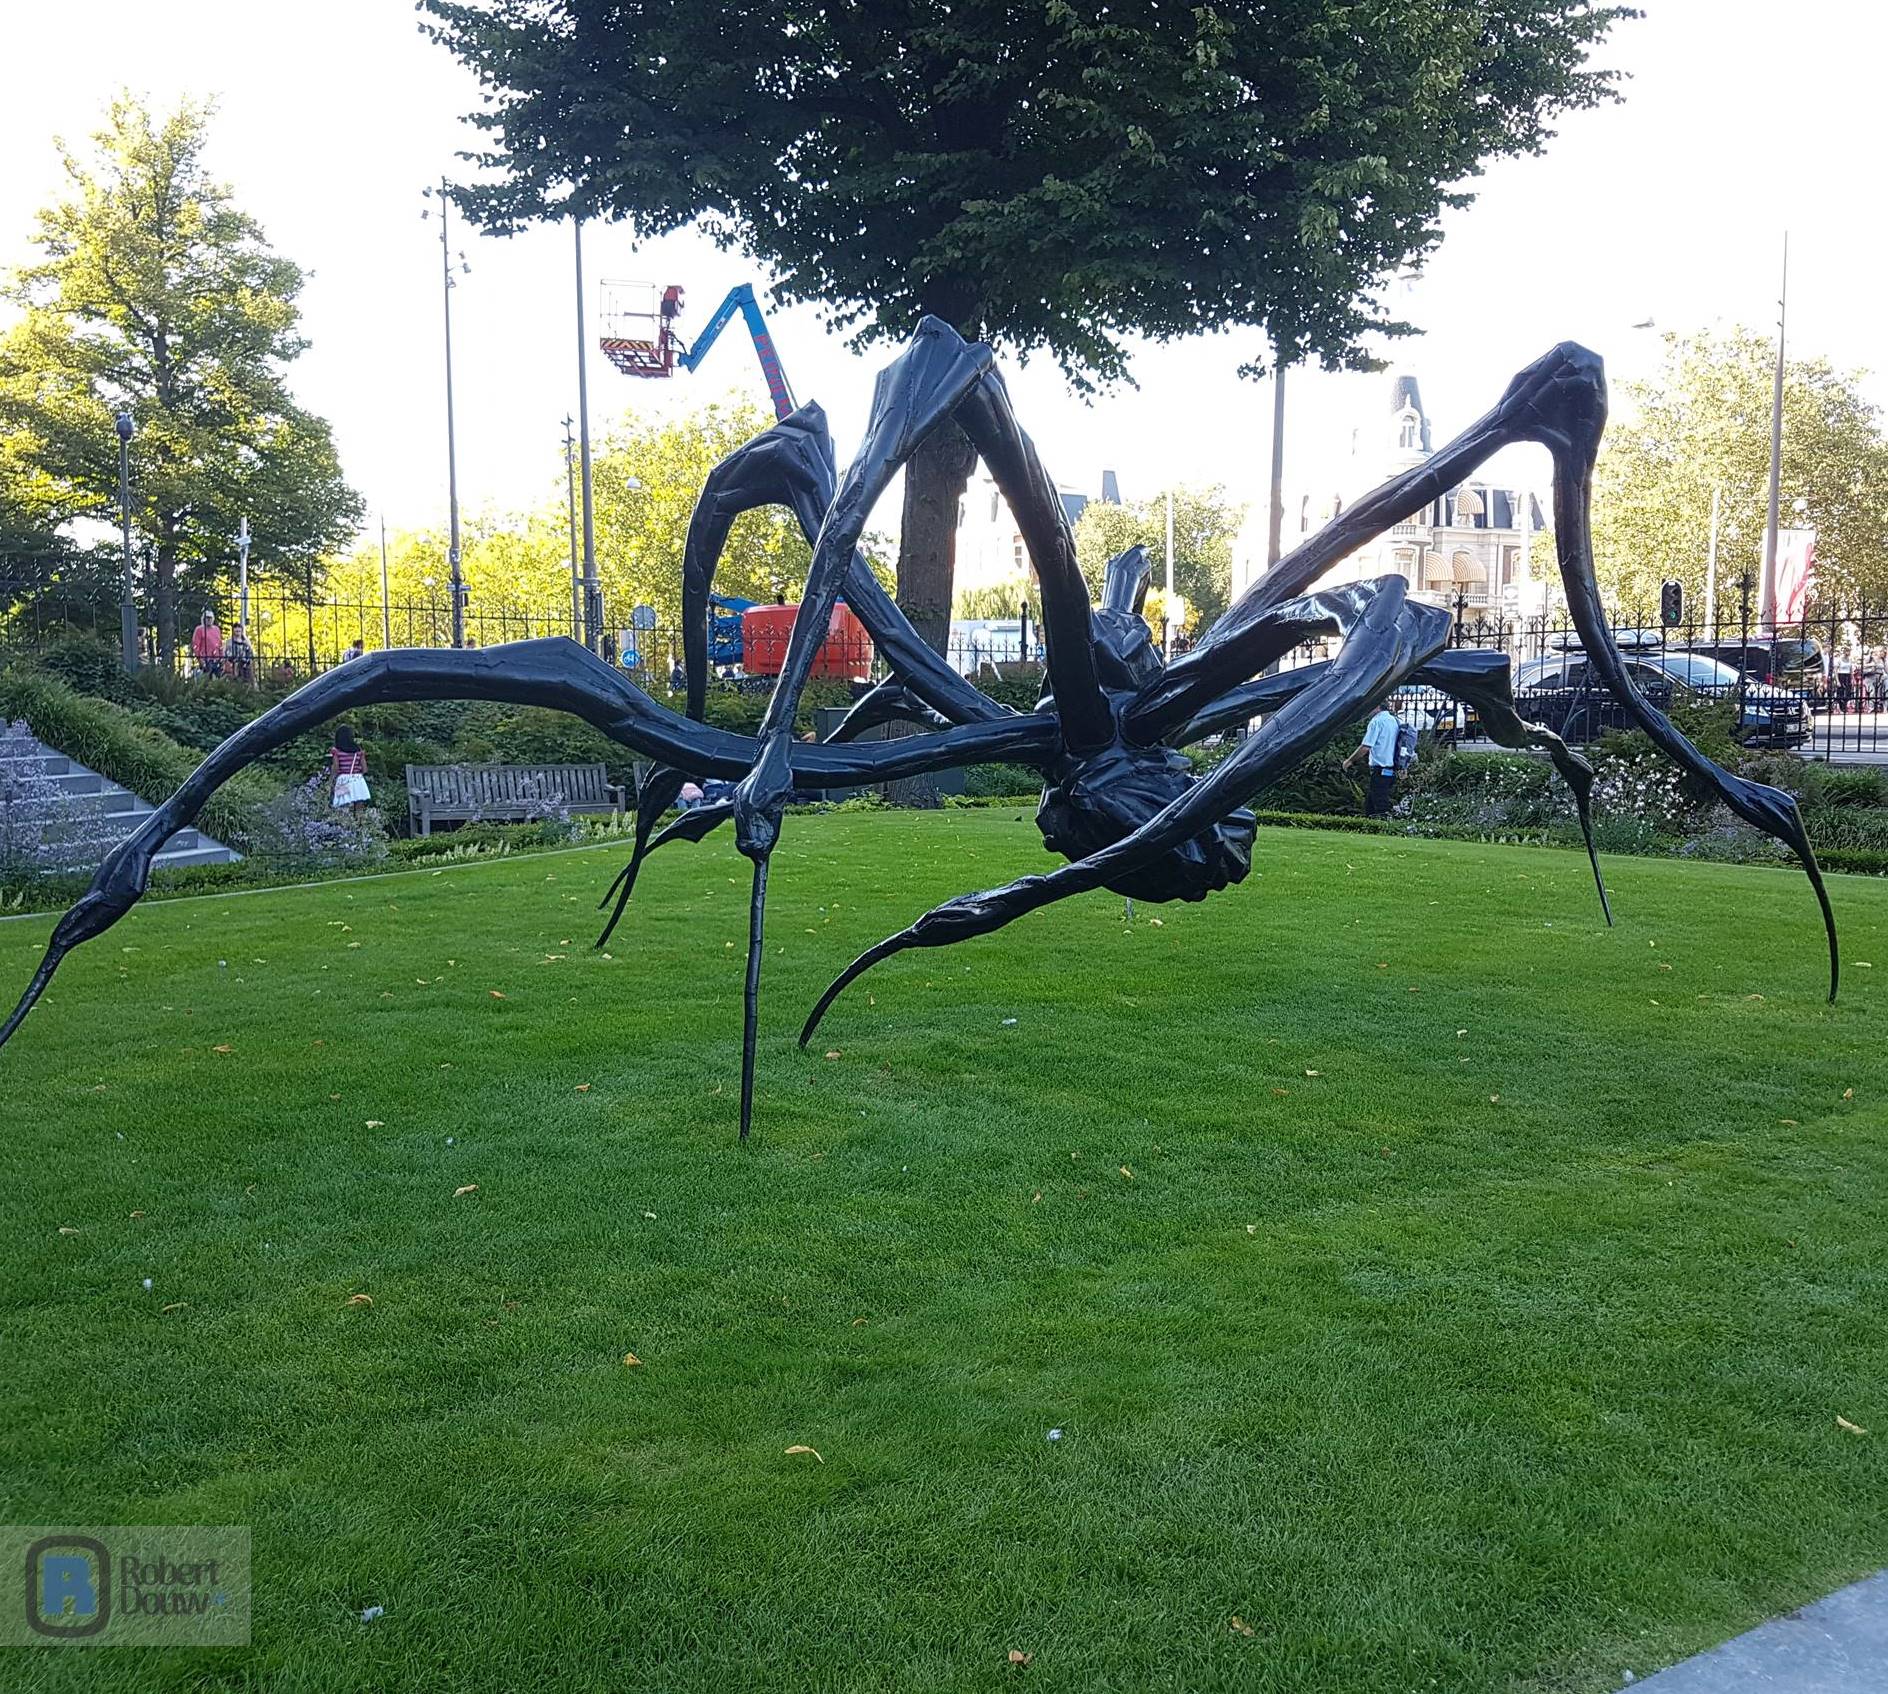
x: 1107, y: 796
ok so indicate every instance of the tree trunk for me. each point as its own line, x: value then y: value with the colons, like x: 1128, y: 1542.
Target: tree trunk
x: 935, y: 479
x: 165, y: 593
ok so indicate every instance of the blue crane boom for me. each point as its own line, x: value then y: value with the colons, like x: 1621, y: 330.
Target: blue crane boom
x: 741, y: 299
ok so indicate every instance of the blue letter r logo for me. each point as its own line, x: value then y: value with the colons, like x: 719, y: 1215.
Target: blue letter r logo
x: 68, y: 1586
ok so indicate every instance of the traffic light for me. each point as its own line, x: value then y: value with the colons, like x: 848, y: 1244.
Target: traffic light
x: 1671, y: 603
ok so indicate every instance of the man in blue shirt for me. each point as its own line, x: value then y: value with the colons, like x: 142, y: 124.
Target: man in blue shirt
x: 1379, y: 747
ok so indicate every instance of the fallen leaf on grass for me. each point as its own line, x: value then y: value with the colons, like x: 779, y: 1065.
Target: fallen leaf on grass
x: 1848, y: 1093
x: 496, y: 995
x: 360, y: 1300
x: 1790, y: 1122
x: 177, y: 1306
x: 631, y: 1359
x: 67, y: 1229
x: 583, y: 1088
x: 1852, y: 1428
x: 1017, y: 1657
x: 373, y: 1123
x: 1127, y: 1173
x: 137, y: 1214
x: 797, y: 1448
x: 1281, y: 1092
x: 832, y: 1052
x: 1239, y: 1626
x: 223, y: 1048
x: 468, y: 1188
x: 1036, y: 1198
x: 1494, y: 1099
x: 857, y: 1321
x: 1314, y: 1073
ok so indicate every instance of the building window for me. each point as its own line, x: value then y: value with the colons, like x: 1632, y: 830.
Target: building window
x: 1406, y: 437
x: 994, y: 497
x: 1020, y: 554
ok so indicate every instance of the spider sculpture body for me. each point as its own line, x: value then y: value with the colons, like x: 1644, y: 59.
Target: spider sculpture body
x: 1120, y: 805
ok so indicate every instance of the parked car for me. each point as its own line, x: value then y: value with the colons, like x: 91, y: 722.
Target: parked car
x: 1561, y: 692
x: 1786, y: 661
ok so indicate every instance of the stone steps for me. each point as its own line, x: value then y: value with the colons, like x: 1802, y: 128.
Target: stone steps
x: 108, y: 813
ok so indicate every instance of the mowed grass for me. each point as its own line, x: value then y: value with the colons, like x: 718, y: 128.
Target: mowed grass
x: 1457, y: 1292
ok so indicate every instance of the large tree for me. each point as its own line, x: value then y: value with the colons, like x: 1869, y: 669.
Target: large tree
x: 1702, y: 422
x: 153, y: 292
x: 1042, y: 174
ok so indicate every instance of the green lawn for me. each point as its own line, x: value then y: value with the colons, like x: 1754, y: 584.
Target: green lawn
x: 1476, y: 1315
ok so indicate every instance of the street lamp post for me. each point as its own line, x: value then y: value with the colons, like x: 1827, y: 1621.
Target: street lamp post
x: 592, y: 587
x: 576, y: 578
x: 127, y: 604
x: 452, y: 449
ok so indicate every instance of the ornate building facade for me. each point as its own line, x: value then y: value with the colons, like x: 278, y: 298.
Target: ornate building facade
x: 1469, y: 550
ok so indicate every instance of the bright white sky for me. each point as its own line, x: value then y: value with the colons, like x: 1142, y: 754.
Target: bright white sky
x: 1742, y: 118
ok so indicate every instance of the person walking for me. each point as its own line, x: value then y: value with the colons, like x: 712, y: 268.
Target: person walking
x: 206, y: 646
x: 1379, y: 747
x: 240, y: 656
x: 347, y: 764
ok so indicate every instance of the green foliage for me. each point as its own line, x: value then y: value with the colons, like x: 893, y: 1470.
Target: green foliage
x: 517, y: 568
x: 1057, y: 178
x: 1700, y: 424
x: 1205, y: 523
x: 1001, y: 782
x: 154, y: 292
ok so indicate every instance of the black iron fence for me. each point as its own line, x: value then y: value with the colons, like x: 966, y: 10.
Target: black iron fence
x: 1817, y: 686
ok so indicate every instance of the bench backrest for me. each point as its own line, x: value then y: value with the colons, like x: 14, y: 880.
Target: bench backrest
x: 499, y: 787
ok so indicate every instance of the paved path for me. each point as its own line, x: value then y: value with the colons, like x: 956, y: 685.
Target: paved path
x: 1837, y: 1646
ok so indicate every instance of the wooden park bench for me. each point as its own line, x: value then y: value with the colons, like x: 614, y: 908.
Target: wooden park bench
x: 504, y: 793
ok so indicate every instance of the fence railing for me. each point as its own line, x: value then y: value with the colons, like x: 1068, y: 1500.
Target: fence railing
x: 1818, y: 686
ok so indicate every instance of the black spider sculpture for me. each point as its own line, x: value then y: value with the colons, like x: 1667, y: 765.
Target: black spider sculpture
x: 1119, y: 801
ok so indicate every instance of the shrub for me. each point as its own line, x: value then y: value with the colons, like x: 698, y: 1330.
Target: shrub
x: 90, y: 666
x: 1000, y: 781
x: 1844, y: 787
x: 303, y: 831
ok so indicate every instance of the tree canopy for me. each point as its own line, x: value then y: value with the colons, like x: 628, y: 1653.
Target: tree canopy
x: 1048, y: 176
x: 154, y: 292
x: 1703, y: 422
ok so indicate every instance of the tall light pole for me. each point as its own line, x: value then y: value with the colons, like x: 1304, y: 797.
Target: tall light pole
x: 592, y: 588
x: 128, y: 603
x: 1167, y: 603
x: 1711, y: 568
x: 242, y: 573
x: 1767, y: 593
x: 452, y: 447
x: 386, y: 607
x: 570, y: 485
x: 1275, y: 519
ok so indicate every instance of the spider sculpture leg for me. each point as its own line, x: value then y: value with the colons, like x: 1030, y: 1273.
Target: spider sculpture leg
x: 555, y: 673
x: 1559, y: 402
x: 1477, y: 677
x: 789, y: 464
x: 1386, y: 637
